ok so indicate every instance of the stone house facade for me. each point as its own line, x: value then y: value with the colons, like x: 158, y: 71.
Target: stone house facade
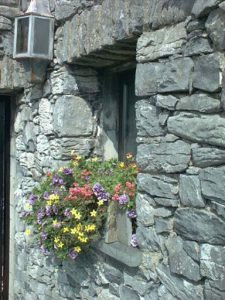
x: 176, y: 49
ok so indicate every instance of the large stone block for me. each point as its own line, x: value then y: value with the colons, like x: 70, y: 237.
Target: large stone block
x: 145, y: 210
x: 45, y: 116
x: 212, y: 184
x: 85, y: 33
x: 127, y: 293
x: 172, y: 76
x: 190, y: 191
x: 163, y: 42
x: 180, y: 263
x: 199, y: 102
x: 207, y: 72
x: 63, y: 82
x: 203, y: 7
x: 147, y: 120
x: 197, y: 45
x: 148, y: 239
x: 72, y: 116
x: 168, y: 102
x: 8, y: 12
x: 164, y: 157
x: 212, y: 293
x: 159, y: 13
x: 158, y: 186
x: 199, y: 225
x: 5, y: 23
x: 214, y: 26
x: 11, y: 74
x: 212, y: 265
x: 207, y: 129
x: 179, y: 287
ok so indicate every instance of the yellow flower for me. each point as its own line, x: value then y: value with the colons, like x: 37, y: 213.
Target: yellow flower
x: 73, y: 231
x: 49, y: 202
x: 56, y: 240
x: 80, y: 234
x: 90, y: 228
x: 77, y: 249
x: 28, y: 206
x: 66, y: 229
x: 53, y: 198
x: 54, y: 222
x: 93, y: 213
x: 60, y: 245
x: 73, y: 211
x: 79, y: 226
x: 122, y: 165
x: 94, y: 159
x: 61, y: 169
x: 100, y: 202
x: 28, y: 231
x: 77, y: 230
x: 83, y: 239
x: 75, y: 163
x: 76, y: 214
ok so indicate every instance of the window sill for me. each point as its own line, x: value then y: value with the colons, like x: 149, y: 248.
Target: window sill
x: 127, y: 255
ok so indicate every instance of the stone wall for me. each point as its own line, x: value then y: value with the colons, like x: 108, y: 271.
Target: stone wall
x: 180, y: 86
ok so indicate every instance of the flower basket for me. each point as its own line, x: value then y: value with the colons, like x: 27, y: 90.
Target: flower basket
x: 68, y: 209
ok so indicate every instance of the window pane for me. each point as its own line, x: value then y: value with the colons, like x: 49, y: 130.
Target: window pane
x: 22, y: 35
x: 41, y: 36
x: 128, y: 132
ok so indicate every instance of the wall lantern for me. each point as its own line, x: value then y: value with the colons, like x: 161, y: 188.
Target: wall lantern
x: 34, y: 32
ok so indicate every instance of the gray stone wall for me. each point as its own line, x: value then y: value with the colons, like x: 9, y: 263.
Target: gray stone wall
x: 179, y: 48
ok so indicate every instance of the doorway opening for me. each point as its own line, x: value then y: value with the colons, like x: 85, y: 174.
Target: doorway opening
x: 4, y: 194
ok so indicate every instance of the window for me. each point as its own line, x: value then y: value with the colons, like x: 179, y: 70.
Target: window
x: 127, y: 123
x: 119, y: 125
x: 119, y: 138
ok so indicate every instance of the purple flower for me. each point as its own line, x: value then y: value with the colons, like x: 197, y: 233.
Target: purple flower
x: 132, y: 214
x: 134, y: 242
x: 67, y: 213
x: 57, y: 225
x: 33, y: 199
x: 25, y: 214
x: 44, y: 236
x: 100, y: 192
x: 56, y: 180
x: 48, y: 211
x: 55, y: 209
x: 73, y: 254
x: 68, y: 171
x: 46, y: 195
x: 40, y: 216
x: 123, y: 199
x: 44, y: 250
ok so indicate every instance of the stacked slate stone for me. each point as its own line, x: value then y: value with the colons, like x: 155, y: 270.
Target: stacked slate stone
x: 181, y: 136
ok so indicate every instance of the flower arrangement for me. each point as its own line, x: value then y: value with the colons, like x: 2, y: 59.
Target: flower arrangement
x: 68, y: 209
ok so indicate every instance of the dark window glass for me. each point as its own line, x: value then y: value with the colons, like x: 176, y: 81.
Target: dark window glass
x: 22, y: 35
x: 127, y: 121
x: 41, y: 36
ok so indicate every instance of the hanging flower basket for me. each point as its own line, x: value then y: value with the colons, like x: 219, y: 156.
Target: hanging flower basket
x: 67, y: 211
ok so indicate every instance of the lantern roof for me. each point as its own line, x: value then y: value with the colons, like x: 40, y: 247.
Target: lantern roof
x: 39, y: 7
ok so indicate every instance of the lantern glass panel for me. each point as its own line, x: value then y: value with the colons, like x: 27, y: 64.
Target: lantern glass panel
x: 41, y: 36
x: 22, y: 35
